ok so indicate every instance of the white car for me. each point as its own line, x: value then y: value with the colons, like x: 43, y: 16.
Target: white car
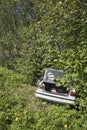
x: 48, y: 90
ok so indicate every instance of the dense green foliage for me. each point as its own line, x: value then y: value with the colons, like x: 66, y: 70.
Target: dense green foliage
x: 35, y: 35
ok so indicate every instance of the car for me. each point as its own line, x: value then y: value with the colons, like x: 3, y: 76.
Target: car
x: 48, y: 89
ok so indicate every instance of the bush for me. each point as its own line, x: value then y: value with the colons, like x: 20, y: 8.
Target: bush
x: 53, y: 119
x: 10, y: 78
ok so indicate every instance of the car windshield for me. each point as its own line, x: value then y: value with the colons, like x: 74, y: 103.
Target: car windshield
x: 52, y: 74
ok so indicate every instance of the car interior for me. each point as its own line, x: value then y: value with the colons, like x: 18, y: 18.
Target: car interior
x: 49, y: 87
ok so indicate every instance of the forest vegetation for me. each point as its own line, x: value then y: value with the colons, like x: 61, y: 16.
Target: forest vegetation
x: 34, y: 35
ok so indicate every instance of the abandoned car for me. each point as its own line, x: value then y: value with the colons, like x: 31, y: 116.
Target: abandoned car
x: 48, y: 90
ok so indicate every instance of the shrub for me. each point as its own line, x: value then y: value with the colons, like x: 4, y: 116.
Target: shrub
x: 10, y: 78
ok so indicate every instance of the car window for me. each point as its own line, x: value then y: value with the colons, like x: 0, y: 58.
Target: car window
x: 41, y: 78
x: 52, y: 74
